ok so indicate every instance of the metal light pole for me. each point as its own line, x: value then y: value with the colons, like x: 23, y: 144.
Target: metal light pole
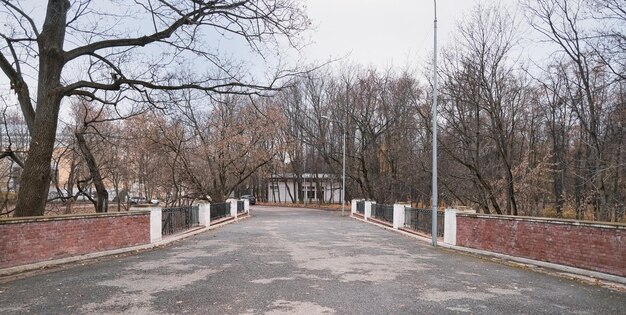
x: 343, y: 166
x: 306, y: 196
x: 343, y: 175
x: 434, y: 110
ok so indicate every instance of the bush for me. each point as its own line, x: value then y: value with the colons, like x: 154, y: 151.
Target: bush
x: 8, y: 195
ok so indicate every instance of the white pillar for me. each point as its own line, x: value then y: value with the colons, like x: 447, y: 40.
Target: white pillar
x: 368, y: 208
x: 398, y: 215
x: 449, y: 231
x: 204, y: 214
x: 246, y: 205
x: 156, y: 224
x: 353, y: 206
x: 233, y: 207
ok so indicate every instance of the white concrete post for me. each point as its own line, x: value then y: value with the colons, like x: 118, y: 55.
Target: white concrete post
x: 398, y: 215
x: 246, y: 205
x: 233, y: 207
x: 156, y: 223
x: 368, y: 208
x: 449, y: 232
x: 204, y: 214
x: 353, y: 206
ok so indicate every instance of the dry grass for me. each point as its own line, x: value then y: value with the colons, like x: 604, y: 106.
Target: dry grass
x: 79, y: 207
x: 570, y: 213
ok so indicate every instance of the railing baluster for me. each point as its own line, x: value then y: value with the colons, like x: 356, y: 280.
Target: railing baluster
x: 240, y: 206
x: 360, y: 207
x: 383, y: 212
x: 420, y: 220
x: 179, y: 219
x: 220, y: 210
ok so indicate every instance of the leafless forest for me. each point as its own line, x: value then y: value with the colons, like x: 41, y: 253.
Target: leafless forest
x: 518, y: 134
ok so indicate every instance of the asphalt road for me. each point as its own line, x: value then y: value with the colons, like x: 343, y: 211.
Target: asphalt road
x: 297, y: 261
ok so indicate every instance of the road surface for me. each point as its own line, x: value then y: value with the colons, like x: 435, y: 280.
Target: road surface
x: 299, y: 261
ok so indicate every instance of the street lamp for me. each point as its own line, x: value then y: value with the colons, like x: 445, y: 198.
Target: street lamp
x: 304, y: 178
x: 434, y: 110
x: 343, y: 175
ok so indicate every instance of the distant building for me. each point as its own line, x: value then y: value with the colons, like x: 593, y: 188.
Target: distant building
x: 318, y: 187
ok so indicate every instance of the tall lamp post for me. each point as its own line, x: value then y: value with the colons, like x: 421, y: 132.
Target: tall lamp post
x: 343, y: 175
x: 343, y: 166
x: 434, y: 110
x: 304, y: 178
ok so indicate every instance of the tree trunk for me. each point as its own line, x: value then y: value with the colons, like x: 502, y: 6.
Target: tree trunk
x: 102, y: 195
x: 117, y: 196
x: 558, y: 159
x: 579, y: 185
x: 35, y: 180
x: 512, y: 203
x: 289, y: 189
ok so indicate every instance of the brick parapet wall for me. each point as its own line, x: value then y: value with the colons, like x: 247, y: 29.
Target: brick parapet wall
x: 35, y: 239
x: 588, y: 245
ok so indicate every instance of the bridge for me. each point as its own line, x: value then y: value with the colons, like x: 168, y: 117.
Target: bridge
x: 301, y: 261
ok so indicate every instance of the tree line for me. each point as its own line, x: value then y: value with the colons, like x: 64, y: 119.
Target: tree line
x: 69, y: 52
x: 518, y: 135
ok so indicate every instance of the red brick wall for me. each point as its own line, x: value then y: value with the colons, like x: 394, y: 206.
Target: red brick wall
x: 30, y: 240
x: 597, y: 247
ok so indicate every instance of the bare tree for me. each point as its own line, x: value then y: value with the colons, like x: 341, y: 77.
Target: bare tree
x: 72, y: 56
x: 13, y: 142
x: 608, y: 38
x: 211, y: 152
x: 376, y: 111
x: 485, y: 101
x: 563, y: 22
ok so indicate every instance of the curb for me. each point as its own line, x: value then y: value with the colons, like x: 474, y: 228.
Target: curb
x: 62, y: 261
x: 578, y: 273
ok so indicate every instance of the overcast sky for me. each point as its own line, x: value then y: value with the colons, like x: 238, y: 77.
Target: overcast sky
x: 382, y: 32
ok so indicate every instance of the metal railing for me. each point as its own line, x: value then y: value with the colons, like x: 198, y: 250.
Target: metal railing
x: 241, y: 206
x: 360, y: 207
x: 179, y: 219
x: 220, y: 210
x: 383, y: 212
x: 420, y: 220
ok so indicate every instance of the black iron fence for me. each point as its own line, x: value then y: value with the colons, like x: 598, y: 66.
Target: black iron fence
x: 179, y: 219
x: 360, y: 207
x: 420, y: 220
x: 220, y: 210
x: 241, y: 206
x: 382, y: 212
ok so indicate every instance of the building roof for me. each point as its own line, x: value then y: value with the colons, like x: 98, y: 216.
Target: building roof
x: 305, y: 175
